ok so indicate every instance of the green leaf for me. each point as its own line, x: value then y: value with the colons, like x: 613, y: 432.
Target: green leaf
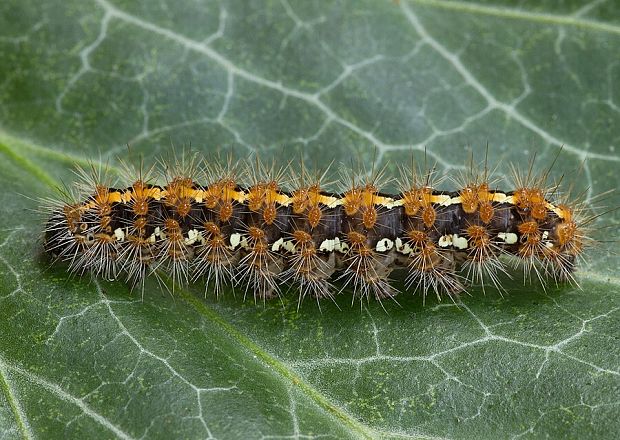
x: 79, y: 80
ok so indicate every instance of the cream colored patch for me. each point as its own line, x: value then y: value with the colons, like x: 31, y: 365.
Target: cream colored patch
x: 548, y: 243
x: 192, y: 236
x: 407, y: 249
x: 289, y: 246
x: 508, y: 237
x: 328, y: 245
x: 119, y: 234
x: 445, y: 240
x: 459, y: 242
x: 399, y: 244
x: 235, y: 240
x: 275, y: 247
x: 201, y: 239
x: 341, y: 246
x: 384, y: 245
x: 403, y: 248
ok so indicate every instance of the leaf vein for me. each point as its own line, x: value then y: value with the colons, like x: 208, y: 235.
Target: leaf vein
x: 574, y: 20
x: 16, y: 408
x: 63, y: 395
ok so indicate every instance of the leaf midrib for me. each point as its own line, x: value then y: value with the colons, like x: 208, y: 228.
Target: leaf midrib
x: 13, y: 403
x: 512, y: 13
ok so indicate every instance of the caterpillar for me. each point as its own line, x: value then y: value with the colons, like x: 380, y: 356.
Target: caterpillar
x: 263, y: 227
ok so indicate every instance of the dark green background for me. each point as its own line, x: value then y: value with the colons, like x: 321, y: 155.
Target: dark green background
x: 79, y: 80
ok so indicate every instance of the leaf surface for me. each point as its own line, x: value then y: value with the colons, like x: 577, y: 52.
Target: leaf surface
x: 349, y: 82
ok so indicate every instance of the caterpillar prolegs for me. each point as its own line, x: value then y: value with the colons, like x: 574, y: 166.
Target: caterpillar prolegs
x: 263, y: 228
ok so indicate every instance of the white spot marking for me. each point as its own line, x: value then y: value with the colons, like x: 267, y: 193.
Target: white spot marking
x: 459, y: 242
x: 508, y: 237
x: 192, y: 236
x: 445, y: 240
x: 403, y: 248
x: 289, y: 246
x: 235, y: 239
x: 119, y: 234
x: 341, y: 246
x: 384, y: 245
x: 548, y: 243
x: 275, y: 247
x: 328, y: 245
x: 399, y: 244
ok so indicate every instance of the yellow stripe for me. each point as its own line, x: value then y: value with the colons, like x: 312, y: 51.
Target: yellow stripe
x: 559, y: 211
x: 282, y: 199
x: 444, y: 200
x: 500, y: 197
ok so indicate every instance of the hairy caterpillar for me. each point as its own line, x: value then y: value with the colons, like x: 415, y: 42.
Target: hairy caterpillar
x: 264, y: 227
